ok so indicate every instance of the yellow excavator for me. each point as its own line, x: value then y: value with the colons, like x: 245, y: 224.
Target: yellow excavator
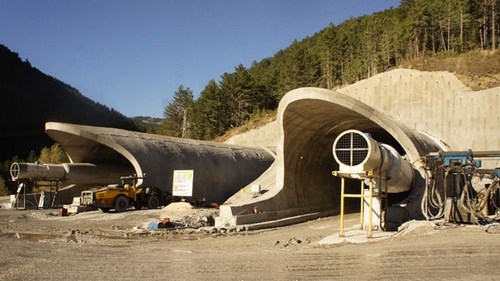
x: 125, y: 195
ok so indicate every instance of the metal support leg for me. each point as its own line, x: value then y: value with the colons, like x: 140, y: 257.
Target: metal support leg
x: 362, y: 197
x: 361, y: 209
x: 341, y: 232
x: 371, y: 209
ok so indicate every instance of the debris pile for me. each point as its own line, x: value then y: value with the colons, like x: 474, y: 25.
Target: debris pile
x: 182, y: 215
x: 197, y: 221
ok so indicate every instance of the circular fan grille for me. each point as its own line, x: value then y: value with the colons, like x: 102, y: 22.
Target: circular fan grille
x: 351, y: 149
x: 15, y: 170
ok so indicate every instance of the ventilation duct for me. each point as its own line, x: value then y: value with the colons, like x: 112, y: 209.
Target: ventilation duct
x: 357, y: 154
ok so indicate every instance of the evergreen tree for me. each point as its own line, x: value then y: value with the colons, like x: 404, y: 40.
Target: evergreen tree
x: 32, y: 157
x: 338, y: 55
x: 178, y: 114
x: 212, y: 112
x: 264, y: 74
x: 240, y: 88
x: 53, y: 155
x: 329, y: 56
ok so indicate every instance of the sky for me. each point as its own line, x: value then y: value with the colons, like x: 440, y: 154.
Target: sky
x: 132, y: 55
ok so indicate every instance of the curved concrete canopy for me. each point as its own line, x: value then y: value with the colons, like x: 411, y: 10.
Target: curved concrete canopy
x: 309, y: 120
x: 219, y: 169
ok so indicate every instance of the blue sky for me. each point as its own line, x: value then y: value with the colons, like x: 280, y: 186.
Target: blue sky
x: 132, y: 55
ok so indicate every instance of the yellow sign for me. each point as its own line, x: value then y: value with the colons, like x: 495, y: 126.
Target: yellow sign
x: 183, y: 183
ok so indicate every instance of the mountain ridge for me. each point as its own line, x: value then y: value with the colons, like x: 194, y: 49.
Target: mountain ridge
x: 30, y: 98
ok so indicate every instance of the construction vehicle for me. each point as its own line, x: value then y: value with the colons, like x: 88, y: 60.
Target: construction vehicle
x: 125, y: 195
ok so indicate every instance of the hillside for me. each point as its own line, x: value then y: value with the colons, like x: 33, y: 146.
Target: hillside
x: 29, y: 98
x: 424, y: 35
x: 147, y: 124
x: 478, y: 70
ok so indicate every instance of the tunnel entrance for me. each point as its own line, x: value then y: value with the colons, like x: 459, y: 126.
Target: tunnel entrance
x: 309, y: 120
x: 310, y: 128
x: 86, y: 150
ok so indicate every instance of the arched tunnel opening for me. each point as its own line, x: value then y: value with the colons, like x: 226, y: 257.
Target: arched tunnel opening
x: 103, y: 155
x: 309, y: 121
x: 92, y: 163
x: 87, y: 150
x: 309, y: 161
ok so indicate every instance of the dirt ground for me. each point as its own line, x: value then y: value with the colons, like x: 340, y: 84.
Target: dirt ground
x: 42, y: 245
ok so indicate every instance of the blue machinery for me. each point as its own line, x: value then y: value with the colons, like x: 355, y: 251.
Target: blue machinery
x: 457, y: 188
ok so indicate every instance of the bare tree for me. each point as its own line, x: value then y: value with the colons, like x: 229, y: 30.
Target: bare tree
x: 493, y: 15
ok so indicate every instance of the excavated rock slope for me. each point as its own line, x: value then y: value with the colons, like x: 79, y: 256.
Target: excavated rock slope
x: 436, y: 103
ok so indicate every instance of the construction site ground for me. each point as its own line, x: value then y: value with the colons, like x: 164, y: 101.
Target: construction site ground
x: 43, y: 245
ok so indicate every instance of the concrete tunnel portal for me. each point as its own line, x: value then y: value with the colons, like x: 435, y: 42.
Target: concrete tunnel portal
x: 219, y: 170
x: 309, y: 120
x: 297, y: 182
x: 85, y: 147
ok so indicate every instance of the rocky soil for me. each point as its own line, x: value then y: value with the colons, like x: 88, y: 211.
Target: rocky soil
x: 42, y: 245
x: 478, y: 70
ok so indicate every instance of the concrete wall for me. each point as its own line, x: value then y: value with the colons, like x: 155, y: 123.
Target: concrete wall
x: 436, y: 103
x: 264, y: 136
x: 415, y: 112
x: 220, y: 170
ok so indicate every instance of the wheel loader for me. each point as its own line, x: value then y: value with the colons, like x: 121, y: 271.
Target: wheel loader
x: 125, y: 195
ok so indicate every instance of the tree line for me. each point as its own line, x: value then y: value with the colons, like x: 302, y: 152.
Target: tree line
x: 338, y: 55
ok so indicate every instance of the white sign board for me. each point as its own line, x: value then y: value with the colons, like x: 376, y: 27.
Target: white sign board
x: 183, y: 183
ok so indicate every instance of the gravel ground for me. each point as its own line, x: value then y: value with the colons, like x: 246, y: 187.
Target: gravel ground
x: 41, y: 245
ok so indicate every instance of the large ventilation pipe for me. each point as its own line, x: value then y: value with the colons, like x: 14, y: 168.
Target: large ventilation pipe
x: 71, y: 173
x: 357, y: 153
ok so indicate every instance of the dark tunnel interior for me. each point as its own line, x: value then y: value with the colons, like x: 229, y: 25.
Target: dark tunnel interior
x: 309, y: 161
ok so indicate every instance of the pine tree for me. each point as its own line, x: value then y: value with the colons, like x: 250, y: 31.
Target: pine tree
x: 240, y: 89
x: 212, y: 112
x: 178, y: 114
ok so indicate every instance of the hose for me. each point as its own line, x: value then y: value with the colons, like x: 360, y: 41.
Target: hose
x: 476, y: 204
x: 432, y: 199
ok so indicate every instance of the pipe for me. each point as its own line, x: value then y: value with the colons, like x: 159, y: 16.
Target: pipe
x: 33, y: 170
x: 71, y: 173
x: 357, y: 153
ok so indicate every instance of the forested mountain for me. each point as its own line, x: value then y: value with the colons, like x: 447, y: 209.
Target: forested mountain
x: 335, y: 56
x: 146, y: 123
x: 29, y: 98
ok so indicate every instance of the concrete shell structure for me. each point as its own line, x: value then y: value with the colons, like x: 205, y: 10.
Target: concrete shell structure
x: 309, y: 121
x: 220, y: 170
x: 415, y: 112
x: 408, y: 110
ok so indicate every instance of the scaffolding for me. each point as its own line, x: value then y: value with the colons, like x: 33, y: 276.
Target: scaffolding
x: 362, y: 196
x: 46, y: 197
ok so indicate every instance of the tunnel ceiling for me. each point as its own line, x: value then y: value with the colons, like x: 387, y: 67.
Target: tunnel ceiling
x: 319, y: 123
x: 85, y: 150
